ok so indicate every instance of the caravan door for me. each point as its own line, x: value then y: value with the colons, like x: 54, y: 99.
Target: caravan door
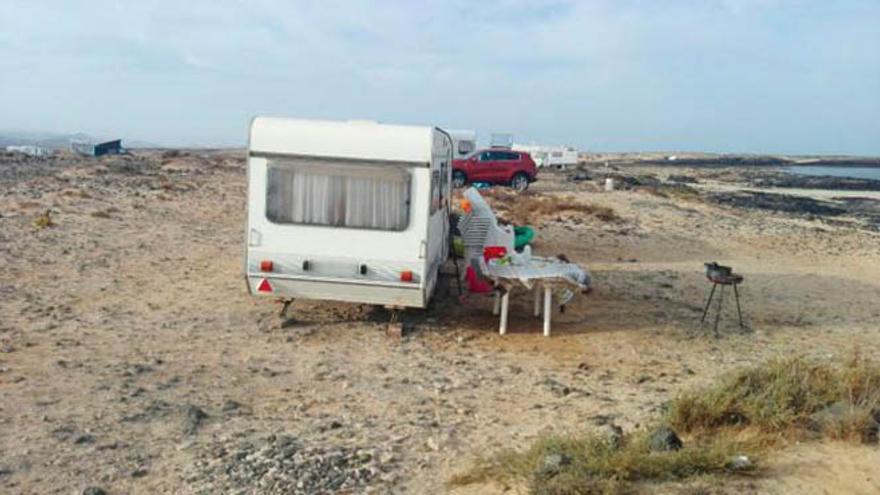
x: 437, y: 241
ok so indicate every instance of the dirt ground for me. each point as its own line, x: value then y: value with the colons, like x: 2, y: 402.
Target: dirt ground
x: 133, y: 360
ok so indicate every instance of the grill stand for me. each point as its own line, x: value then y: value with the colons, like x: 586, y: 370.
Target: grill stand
x: 733, y: 280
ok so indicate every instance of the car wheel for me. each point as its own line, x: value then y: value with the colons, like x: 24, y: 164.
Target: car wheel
x: 458, y: 179
x: 520, y: 182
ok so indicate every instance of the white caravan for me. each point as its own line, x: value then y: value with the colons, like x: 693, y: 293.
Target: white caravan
x: 347, y: 211
x: 463, y: 142
x: 550, y: 156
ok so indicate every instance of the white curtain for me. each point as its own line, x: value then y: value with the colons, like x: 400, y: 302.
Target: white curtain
x: 339, y: 195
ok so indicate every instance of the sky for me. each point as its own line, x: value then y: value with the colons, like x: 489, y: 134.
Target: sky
x: 762, y: 76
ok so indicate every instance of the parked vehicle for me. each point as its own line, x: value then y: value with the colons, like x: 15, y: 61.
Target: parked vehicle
x: 550, y: 156
x: 496, y: 166
x: 347, y: 211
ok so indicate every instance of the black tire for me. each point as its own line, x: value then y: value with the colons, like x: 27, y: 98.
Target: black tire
x: 520, y: 182
x: 458, y: 179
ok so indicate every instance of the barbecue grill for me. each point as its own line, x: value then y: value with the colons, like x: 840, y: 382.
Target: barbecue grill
x: 723, y: 276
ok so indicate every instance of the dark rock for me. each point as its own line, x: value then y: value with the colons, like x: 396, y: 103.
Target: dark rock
x: 580, y: 175
x: 85, y: 438
x: 94, y: 490
x: 871, y: 431
x: 139, y: 473
x: 557, y: 388
x: 683, y: 179
x: 612, y: 435
x: 664, y: 439
x: 785, y: 203
x: 817, y: 182
x: 828, y: 415
x: 194, y: 418
x: 154, y: 409
x: 839, y: 412
x: 875, y: 413
x: 740, y: 463
x: 553, y: 463
x: 631, y: 182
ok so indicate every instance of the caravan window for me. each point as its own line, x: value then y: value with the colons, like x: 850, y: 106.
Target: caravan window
x: 465, y: 147
x: 338, y: 195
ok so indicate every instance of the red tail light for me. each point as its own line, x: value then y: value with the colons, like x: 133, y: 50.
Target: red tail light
x: 406, y: 276
x: 264, y: 286
x: 266, y: 266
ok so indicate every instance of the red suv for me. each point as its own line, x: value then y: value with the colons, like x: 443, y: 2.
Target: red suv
x: 496, y: 166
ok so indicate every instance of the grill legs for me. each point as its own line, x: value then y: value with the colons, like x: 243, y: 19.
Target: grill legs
x: 718, y: 312
x: 738, y: 309
x: 719, y: 306
x: 708, y: 302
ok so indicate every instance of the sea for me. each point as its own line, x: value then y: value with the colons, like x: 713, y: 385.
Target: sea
x: 851, y: 172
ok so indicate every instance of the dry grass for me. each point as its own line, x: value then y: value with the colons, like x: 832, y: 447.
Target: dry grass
x: 75, y: 193
x: 594, y: 466
x: 105, y: 213
x: 528, y: 208
x: 676, y: 191
x: 789, y: 398
x: 746, y: 413
x: 44, y: 221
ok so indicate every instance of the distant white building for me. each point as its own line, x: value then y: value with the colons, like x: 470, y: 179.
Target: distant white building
x: 29, y: 149
x: 501, y: 140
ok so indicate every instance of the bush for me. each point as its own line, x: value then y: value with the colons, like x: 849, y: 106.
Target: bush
x: 746, y: 413
x: 793, y: 397
x: 596, y: 466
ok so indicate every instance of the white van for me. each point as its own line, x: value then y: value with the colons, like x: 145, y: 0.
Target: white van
x: 561, y: 157
x: 347, y: 211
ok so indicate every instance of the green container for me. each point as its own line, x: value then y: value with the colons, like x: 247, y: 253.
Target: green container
x: 522, y: 236
x: 458, y: 246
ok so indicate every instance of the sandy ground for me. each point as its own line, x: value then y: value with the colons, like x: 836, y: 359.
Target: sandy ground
x: 130, y: 312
